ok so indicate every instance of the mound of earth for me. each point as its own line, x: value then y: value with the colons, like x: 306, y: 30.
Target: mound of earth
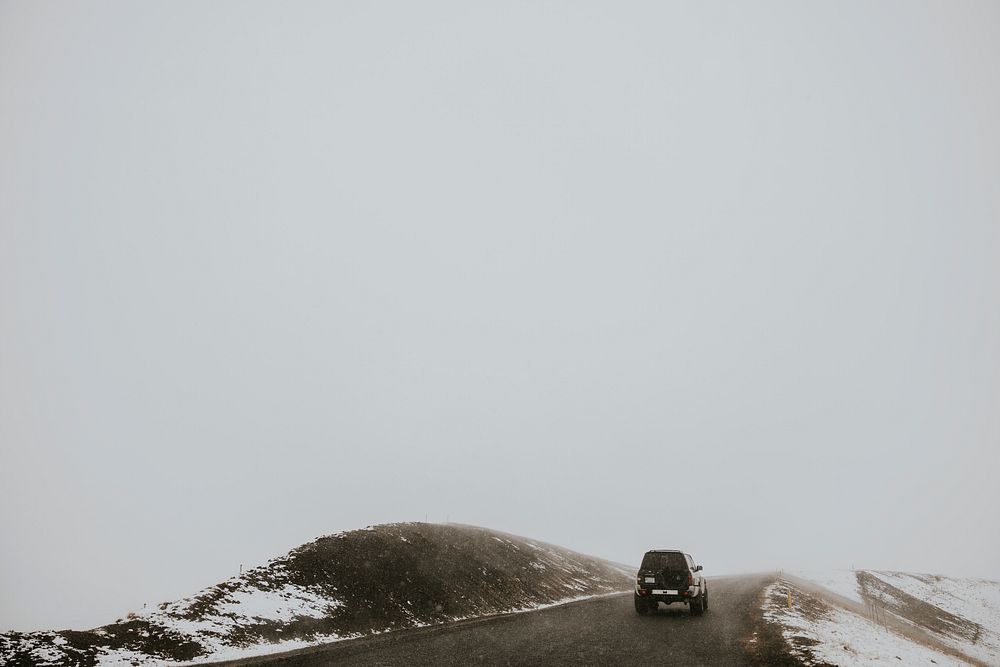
x: 342, y: 586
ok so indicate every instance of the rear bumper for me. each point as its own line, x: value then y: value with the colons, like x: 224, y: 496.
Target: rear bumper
x: 682, y: 595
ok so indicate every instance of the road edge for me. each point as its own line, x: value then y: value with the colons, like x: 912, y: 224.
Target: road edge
x: 396, y: 635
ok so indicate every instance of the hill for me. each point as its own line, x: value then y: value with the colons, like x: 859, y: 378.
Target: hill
x: 341, y: 586
x: 870, y: 617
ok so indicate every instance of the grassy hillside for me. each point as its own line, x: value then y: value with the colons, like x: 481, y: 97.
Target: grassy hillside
x: 341, y: 586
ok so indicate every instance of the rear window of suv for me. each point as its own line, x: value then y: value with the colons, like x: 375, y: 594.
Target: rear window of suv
x: 664, y: 561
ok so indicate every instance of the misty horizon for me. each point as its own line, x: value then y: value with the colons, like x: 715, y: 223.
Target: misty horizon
x: 564, y: 271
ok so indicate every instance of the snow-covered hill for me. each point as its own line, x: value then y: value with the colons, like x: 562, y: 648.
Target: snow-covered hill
x: 341, y: 586
x: 870, y: 617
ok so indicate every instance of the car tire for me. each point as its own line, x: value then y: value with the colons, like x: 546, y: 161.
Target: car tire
x: 641, y: 607
x: 698, y: 606
x: 704, y: 603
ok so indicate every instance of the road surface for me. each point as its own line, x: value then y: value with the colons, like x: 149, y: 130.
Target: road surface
x: 603, y: 631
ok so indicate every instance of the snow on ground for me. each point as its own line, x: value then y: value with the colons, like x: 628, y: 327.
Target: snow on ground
x: 242, y: 607
x: 238, y: 607
x: 45, y: 655
x: 241, y: 653
x: 972, y: 605
x: 282, y: 604
x: 120, y: 657
x: 976, y: 600
x: 327, y: 591
x: 829, y: 635
x: 841, y: 582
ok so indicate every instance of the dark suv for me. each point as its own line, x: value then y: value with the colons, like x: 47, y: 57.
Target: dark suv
x: 669, y: 576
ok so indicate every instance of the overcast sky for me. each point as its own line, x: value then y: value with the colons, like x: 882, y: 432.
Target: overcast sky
x: 723, y: 277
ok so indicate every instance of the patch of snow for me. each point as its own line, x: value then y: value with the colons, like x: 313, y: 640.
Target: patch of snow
x: 841, y: 582
x: 122, y: 656
x: 241, y: 607
x: 977, y: 600
x: 848, y: 640
x: 579, y: 598
x: 283, y: 604
x: 46, y: 655
x: 238, y: 653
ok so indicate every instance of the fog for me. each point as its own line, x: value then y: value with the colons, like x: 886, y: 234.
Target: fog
x: 720, y: 277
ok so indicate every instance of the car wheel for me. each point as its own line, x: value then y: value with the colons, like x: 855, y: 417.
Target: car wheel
x: 698, y: 606
x: 704, y: 601
x: 640, y: 605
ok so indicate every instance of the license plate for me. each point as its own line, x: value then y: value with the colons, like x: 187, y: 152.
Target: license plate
x: 664, y: 592
x: 650, y: 580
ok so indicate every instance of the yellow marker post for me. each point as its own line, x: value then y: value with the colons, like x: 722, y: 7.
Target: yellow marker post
x: 789, y: 598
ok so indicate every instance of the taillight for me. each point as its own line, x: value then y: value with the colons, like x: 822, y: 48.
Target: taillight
x: 690, y: 580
